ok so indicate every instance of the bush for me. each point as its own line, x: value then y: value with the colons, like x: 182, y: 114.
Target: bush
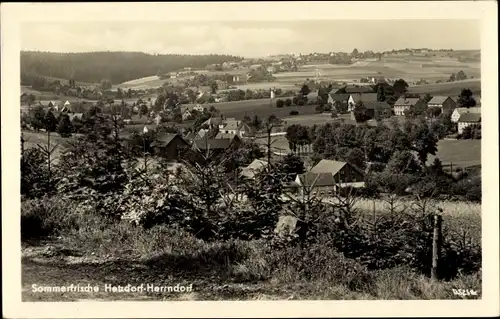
x: 280, y: 103
x: 288, y: 102
x: 34, y: 174
x: 50, y: 216
x: 318, y: 262
x: 294, y: 112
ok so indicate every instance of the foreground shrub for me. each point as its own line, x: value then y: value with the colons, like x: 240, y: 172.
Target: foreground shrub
x: 50, y: 216
x: 34, y: 174
x: 318, y: 261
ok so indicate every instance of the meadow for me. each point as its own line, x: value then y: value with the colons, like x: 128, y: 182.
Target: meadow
x: 261, y: 107
x: 36, y: 139
x: 462, y: 153
x: 431, y: 67
x: 452, y: 89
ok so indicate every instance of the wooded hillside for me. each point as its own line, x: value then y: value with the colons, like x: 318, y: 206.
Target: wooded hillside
x: 118, y: 67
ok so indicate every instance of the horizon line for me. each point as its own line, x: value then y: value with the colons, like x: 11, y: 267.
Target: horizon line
x: 236, y: 55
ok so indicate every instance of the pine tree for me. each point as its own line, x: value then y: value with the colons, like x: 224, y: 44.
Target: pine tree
x: 380, y: 94
x: 50, y: 121
x: 36, y: 118
x: 64, y: 128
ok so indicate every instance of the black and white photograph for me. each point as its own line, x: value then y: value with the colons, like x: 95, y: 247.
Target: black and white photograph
x: 235, y: 158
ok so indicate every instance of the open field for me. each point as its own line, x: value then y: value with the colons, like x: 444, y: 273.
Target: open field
x: 312, y: 119
x: 431, y: 67
x: 33, y: 139
x: 452, y: 89
x: 462, y: 153
x: 142, y: 83
x: 450, y: 208
x: 260, y: 107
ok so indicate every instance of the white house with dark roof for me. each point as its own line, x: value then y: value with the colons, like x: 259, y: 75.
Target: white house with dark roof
x: 198, y: 108
x: 213, y: 122
x: 327, y: 176
x: 468, y: 119
x: 185, y: 114
x: 253, y: 168
x: 360, y: 97
x: 312, y: 98
x: 235, y: 127
x: 403, y: 104
x: 455, y: 116
x: 446, y: 103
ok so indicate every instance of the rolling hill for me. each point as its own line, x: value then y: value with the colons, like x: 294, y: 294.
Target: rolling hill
x: 118, y: 67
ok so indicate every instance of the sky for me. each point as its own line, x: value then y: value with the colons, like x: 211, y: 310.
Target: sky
x: 250, y: 38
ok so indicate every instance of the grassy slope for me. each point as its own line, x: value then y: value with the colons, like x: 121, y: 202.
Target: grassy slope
x: 100, y: 253
x: 461, y: 153
x: 33, y: 139
x: 452, y: 89
x: 406, y: 67
x: 390, y: 285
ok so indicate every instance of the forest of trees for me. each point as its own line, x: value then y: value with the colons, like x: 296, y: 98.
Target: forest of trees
x: 118, y: 67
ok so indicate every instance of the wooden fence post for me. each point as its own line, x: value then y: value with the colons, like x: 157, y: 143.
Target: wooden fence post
x: 436, y: 245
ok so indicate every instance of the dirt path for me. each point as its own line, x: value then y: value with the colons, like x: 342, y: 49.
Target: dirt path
x: 52, y: 266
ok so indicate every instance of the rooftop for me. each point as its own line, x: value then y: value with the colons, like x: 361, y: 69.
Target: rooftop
x: 311, y: 179
x: 340, y: 96
x: 463, y: 110
x: 364, y: 97
x: 211, y: 144
x: 328, y: 166
x: 376, y: 105
x: 470, y: 118
x: 253, y: 168
x: 439, y: 99
x: 407, y: 101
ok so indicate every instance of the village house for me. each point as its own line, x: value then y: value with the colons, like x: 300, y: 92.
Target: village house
x: 73, y: 116
x: 49, y: 104
x: 62, y: 108
x: 468, y: 119
x: 235, y: 127
x: 355, y: 89
x: 312, y: 98
x: 186, y: 114
x: 404, y: 103
x: 327, y: 176
x: 215, y: 147
x: 158, y: 119
x: 455, y: 116
x: 339, y: 101
x: 171, y: 146
x: 255, y: 66
x: 376, y: 110
x: 221, y: 85
x: 355, y: 98
x: 253, y: 168
x: 201, y: 134
x: 198, y: 108
x: 213, y: 122
x: 203, y: 97
x: 378, y: 80
x: 446, y: 103
x: 236, y: 79
x: 271, y: 69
